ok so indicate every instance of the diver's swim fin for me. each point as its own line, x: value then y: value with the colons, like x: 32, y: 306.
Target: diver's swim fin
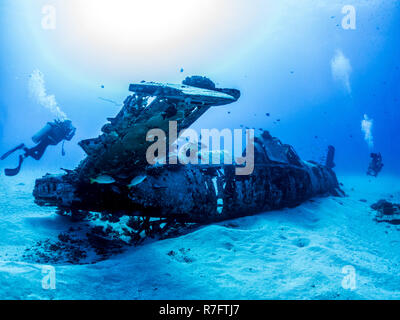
x: 7, y: 154
x: 14, y: 172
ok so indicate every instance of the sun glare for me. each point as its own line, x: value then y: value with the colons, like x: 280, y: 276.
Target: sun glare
x: 121, y: 37
x: 144, y: 25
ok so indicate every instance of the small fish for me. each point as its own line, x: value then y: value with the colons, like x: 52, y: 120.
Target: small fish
x: 115, y: 189
x: 136, y: 181
x: 157, y: 186
x: 102, y: 179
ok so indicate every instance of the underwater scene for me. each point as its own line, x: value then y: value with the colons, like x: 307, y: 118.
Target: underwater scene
x: 199, y: 150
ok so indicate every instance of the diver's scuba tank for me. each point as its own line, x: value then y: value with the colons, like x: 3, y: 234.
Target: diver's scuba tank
x: 42, y: 133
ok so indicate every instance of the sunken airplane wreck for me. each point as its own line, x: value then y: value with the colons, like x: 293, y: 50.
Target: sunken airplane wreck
x: 190, y: 193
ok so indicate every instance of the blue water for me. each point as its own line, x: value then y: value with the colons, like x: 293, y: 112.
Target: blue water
x: 282, y: 65
x: 278, y: 53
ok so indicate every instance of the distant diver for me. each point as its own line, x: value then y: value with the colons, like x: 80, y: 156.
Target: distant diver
x: 375, y: 165
x: 50, y: 135
x: 330, y: 157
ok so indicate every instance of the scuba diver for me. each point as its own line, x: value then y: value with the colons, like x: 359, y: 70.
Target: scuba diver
x: 375, y: 165
x: 50, y: 135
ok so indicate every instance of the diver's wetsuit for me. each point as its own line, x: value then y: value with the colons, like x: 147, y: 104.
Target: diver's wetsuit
x: 58, y: 132
x: 52, y: 134
x: 38, y: 151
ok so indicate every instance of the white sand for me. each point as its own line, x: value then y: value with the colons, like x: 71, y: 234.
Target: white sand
x: 290, y: 254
